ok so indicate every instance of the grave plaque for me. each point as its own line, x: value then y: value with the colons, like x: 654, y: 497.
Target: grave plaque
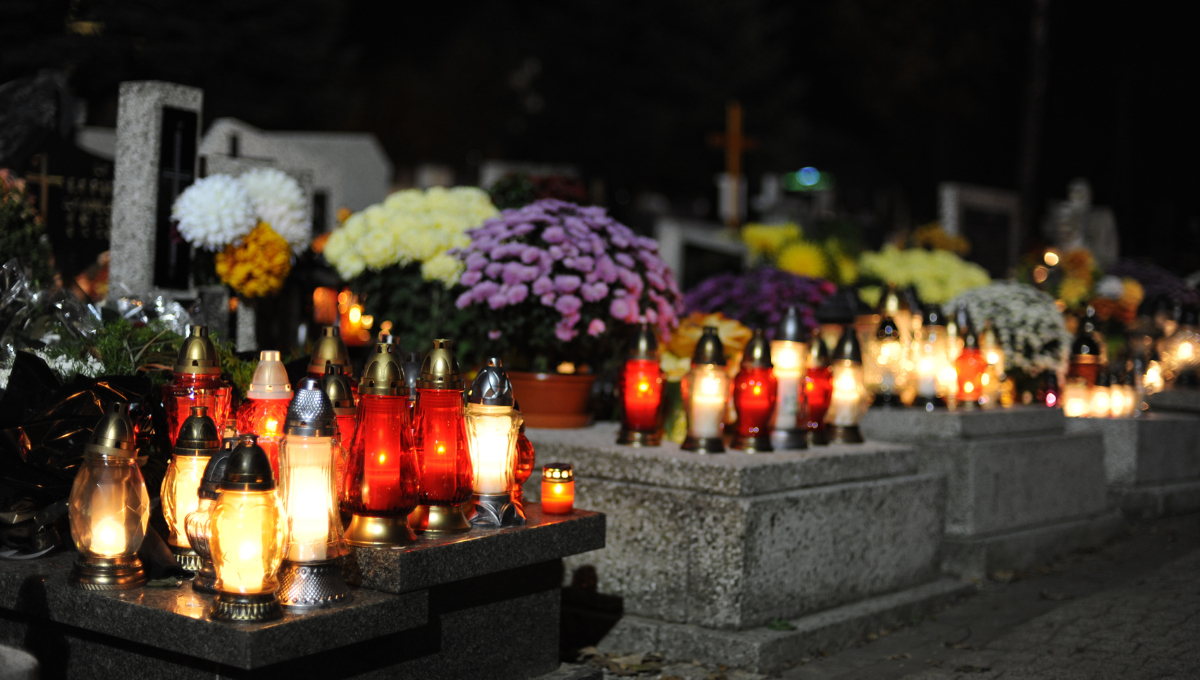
x: 72, y: 190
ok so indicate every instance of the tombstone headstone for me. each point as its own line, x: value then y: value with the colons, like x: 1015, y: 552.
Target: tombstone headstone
x: 73, y: 191
x: 695, y: 250
x: 158, y: 131
x: 987, y: 217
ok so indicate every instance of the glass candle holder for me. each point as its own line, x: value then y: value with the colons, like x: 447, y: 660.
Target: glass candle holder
x: 558, y: 489
x: 341, y: 394
x: 1123, y: 401
x: 640, y: 387
x: 523, y: 466
x: 247, y: 541
x: 970, y: 365
x: 196, y: 382
x: 199, y: 522
x: 1076, y: 400
x: 329, y: 349
x: 265, y: 408
x: 198, y: 441
x: 443, y: 455
x: 994, y: 376
x: 818, y: 391
x: 884, y: 368
x: 382, y: 480
x: 705, y: 390
x: 933, y: 374
x: 755, y: 390
x: 109, y: 507
x: 310, y: 577
x: 848, y: 402
x: 493, y: 426
x: 787, y: 353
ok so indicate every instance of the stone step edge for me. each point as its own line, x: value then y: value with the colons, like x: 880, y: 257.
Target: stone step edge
x: 1165, y: 499
x: 763, y: 650
x: 976, y: 556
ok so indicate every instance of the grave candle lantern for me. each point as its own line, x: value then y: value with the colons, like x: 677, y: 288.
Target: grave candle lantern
x: 248, y: 533
x: 886, y: 376
x: 558, y: 489
x: 199, y: 523
x: 931, y: 364
x: 265, y: 409
x: 196, y: 382
x: 311, y: 577
x: 1100, y: 397
x: 1124, y: 399
x: 440, y: 432
x: 1049, y: 394
x: 848, y: 402
x: 754, y: 393
x: 109, y: 507
x: 340, y: 393
x: 493, y: 425
x: 1181, y: 350
x: 993, y: 355
x: 198, y: 441
x: 329, y: 349
x: 894, y: 305
x: 787, y: 353
x: 971, y: 366
x: 818, y: 390
x: 641, y: 386
x: 381, y: 472
x: 704, y: 390
x: 523, y: 465
x: 1075, y: 399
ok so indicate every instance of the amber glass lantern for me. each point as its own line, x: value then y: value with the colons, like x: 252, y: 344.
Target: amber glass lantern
x: 971, y: 365
x: 640, y: 387
x: 199, y: 522
x: 329, y: 349
x: 884, y: 371
x: 755, y: 390
x: 931, y: 362
x: 1076, y: 399
x: 247, y: 539
x: 311, y: 576
x: 849, y: 400
x: 1181, y: 349
x: 196, y: 382
x: 787, y: 353
x: 109, y: 507
x: 493, y: 426
x: 818, y: 391
x: 1124, y: 401
x: 1086, y: 356
x: 558, y: 489
x: 382, y: 480
x: 705, y: 389
x: 894, y: 305
x: 440, y: 434
x: 198, y: 441
x: 993, y: 353
x: 265, y: 408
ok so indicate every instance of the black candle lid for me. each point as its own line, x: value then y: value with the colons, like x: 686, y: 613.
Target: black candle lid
x: 249, y: 468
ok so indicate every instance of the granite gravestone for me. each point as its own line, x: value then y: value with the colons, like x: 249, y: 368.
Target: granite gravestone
x: 158, y: 131
x: 987, y: 217
x: 73, y: 192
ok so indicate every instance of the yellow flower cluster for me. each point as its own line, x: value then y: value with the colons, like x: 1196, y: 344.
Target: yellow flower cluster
x: 410, y: 227
x: 939, y: 275
x: 259, y: 265
x: 804, y: 259
x: 767, y: 240
x: 933, y: 236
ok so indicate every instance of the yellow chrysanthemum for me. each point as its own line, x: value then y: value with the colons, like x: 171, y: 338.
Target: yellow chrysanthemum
x: 804, y: 259
x: 259, y: 265
x: 733, y: 334
x: 1074, y: 290
x: 1132, y: 293
x: 938, y: 275
x: 933, y: 236
x: 769, y: 239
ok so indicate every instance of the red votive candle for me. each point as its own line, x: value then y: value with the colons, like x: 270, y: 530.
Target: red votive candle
x: 754, y: 393
x: 445, y: 460
x: 558, y: 489
x: 818, y: 391
x: 264, y: 418
x: 642, y: 389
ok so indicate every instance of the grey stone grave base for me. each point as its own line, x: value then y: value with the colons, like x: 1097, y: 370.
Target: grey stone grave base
x: 1020, y: 488
x: 704, y: 551
x: 1152, y: 462
x: 1181, y: 400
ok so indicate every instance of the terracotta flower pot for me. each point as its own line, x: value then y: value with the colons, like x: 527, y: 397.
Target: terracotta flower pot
x: 553, y: 400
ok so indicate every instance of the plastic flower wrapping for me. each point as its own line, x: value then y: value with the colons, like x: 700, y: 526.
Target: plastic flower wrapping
x: 938, y: 275
x: 760, y: 298
x: 258, y: 266
x: 410, y: 227
x: 1030, y: 327
x: 558, y: 280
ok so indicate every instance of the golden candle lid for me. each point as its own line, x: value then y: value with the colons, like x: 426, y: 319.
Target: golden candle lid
x: 197, y: 355
x: 818, y: 351
x: 758, y: 351
x: 440, y: 370
x: 198, y: 436
x: 383, y: 376
x: 329, y: 348
x: 339, y: 390
x: 643, y: 344
x: 249, y: 468
x: 114, y: 435
x: 709, y: 349
x: 848, y: 348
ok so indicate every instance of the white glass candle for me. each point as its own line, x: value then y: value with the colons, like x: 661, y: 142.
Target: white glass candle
x: 306, y: 486
x: 788, y: 358
x: 1075, y: 400
x: 1101, y: 401
x: 846, y: 405
x: 710, y: 387
x: 492, y: 431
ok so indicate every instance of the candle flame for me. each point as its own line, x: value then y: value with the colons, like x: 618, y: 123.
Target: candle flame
x: 1185, y: 351
x: 558, y: 489
x: 108, y: 537
x: 272, y: 426
x: 968, y: 387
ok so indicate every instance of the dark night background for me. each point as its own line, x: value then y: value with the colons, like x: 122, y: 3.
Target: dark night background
x: 892, y: 97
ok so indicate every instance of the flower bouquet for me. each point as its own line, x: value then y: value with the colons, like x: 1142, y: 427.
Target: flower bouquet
x: 759, y: 298
x: 938, y: 275
x: 554, y: 282
x: 1030, y: 327
x: 783, y: 246
x: 397, y: 257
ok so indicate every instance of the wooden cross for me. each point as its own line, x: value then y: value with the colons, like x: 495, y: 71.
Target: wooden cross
x: 45, y: 181
x: 734, y: 143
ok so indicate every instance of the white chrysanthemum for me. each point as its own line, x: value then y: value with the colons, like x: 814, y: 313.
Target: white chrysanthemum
x: 280, y: 202
x: 214, y: 212
x: 1028, y: 322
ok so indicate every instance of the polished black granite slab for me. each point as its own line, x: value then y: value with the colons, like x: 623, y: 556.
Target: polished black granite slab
x: 435, y: 560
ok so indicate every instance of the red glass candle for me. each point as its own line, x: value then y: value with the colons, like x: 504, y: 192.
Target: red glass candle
x: 524, y: 466
x: 264, y: 418
x: 642, y: 391
x: 818, y: 392
x: 197, y: 382
x: 443, y: 456
x: 971, y: 365
x: 558, y: 489
x: 382, y: 470
x: 754, y: 393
